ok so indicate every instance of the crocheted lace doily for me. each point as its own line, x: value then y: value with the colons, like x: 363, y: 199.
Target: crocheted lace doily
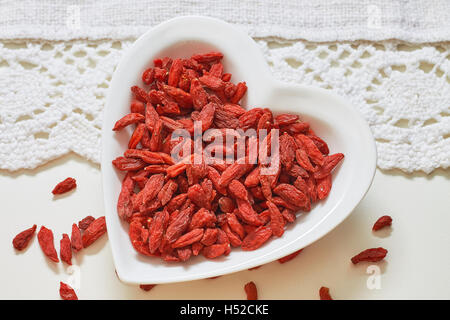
x: 52, y: 95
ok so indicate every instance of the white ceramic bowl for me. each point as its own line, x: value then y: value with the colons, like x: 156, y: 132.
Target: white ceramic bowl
x: 331, y: 117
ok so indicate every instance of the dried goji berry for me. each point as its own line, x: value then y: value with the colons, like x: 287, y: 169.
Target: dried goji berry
x: 233, y: 238
x: 286, y: 119
x: 382, y: 222
x: 202, y: 218
x: 329, y: 164
x: 167, y: 191
x: 215, y: 250
x: 130, y: 118
x: 292, y: 195
x: 140, y: 93
x: 188, y: 238
x: 137, y: 135
x: 179, y: 225
x: 148, y: 76
x: 95, y: 230
x: 75, y: 238
x: 65, y: 249
x: 124, y: 203
x: 208, y: 57
x: 21, y: 240
x: 66, y: 292
x: 246, y: 213
x: 303, y: 160
x: 184, y: 253
x: 235, y: 225
x: 175, y: 72
x: 65, y: 186
x: 84, y: 223
x: 323, y: 187
x: 251, y: 291
x: 147, y: 287
x: 209, y: 236
x: 137, y: 106
x: 152, y: 188
x: 128, y: 164
x: 287, y: 150
x: 241, y: 89
x: 256, y: 239
x: 276, y: 219
x: 238, y: 190
x: 289, y: 257
x: 45, y: 238
x: 196, y: 248
x: 234, y: 171
x: 371, y: 255
x: 311, y: 149
x: 156, y: 229
x: 198, y: 94
x: 324, y: 293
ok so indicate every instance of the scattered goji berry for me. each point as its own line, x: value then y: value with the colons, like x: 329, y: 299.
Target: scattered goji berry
x: 95, y: 230
x: 251, y: 291
x: 75, y: 238
x: 324, y: 293
x: 382, y: 222
x: 66, y: 292
x: 45, y: 238
x: 371, y: 255
x: 289, y: 257
x: 84, y: 223
x: 22, y: 239
x: 65, y: 186
x: 147, y: 287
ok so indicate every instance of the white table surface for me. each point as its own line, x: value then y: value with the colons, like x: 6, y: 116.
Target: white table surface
x: 416, y: 267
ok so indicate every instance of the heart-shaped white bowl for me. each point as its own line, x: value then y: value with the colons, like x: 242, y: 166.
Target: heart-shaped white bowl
x: 330, y: 116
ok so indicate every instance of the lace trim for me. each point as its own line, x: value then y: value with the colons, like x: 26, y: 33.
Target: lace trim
x: 52, y: 94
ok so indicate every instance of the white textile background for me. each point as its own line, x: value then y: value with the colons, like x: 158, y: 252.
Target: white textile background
x: 317, y: 20
x: 57, y: 58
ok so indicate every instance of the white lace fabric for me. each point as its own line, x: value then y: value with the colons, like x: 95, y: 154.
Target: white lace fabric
x: 52, y: 94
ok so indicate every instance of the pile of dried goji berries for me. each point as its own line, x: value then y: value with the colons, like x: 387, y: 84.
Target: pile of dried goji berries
x: 181, y: 209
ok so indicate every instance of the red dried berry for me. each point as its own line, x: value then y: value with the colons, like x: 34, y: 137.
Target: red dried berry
x: 75, y: 238
x: 65, y: 249
x: 371, y: 255
x: 382, y: 222
x: 95, y: 230
x: 84, y: 223
x: 324, y: 293
x: 66, y: 292
x: 215, y: 250
x: 251, y: 291
x: 65, y: 186
x: 130, y: 118
x: 45, y: 238
x: 147, y: 287
x: 21, y: 240
x: 128, y: 164
x: 256, y: 239
x: 289, y: 257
